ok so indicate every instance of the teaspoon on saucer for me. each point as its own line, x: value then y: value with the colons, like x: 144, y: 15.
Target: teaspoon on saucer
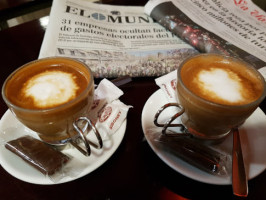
x: 239, y: 178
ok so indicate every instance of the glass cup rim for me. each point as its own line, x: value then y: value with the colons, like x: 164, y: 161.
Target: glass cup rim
x: 10, y: 104
x: 257, y: 101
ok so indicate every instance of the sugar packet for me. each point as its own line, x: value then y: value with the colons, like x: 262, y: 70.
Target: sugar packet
x: 108, y: 113
x: 106, y: 92
x: 111, y: 118
x: 167, y: 83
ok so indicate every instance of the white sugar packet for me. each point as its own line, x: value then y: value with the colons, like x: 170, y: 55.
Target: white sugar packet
x: 167, y: 83
x: 111, y: 118
x: 108, y: 113
x: 106, y: 92
x: 263, y: 72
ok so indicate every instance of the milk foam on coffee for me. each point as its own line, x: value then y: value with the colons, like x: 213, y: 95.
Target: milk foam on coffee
x: 221, y: 83
x: 50, y: 88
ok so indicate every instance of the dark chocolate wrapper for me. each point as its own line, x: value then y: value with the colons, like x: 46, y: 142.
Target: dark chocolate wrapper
x: 43, y: 157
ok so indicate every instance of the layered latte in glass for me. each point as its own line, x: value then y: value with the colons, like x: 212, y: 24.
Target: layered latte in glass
x: 218, y: 94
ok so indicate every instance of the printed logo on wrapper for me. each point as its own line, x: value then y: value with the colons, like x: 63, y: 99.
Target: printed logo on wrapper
x: 112, y: 117
x: 105, y: 114
x: 96, y: 102
x: 167, y: 83
x: 115, y: 120
x: 173, y: 84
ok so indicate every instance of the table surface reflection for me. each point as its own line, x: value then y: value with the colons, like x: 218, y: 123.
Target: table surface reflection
x: 134, y: 171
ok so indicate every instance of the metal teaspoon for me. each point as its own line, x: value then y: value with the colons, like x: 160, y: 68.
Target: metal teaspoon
x: 239, y: 178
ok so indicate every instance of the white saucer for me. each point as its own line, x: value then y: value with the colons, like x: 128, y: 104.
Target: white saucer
x: 21, y: 170
x: 253, y: 140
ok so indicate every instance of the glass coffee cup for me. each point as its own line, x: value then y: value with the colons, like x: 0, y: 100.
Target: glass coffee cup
x: 216, y: 94
x: 53, y: 96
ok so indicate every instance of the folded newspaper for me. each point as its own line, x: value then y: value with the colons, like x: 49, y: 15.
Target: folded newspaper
x: 112, y: 40
x: 230, y: 27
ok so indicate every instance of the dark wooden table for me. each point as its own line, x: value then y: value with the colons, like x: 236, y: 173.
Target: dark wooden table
x: 14, y: 8
x: 134, y: 171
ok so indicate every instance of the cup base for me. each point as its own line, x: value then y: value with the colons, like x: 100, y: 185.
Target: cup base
x: 210, y: 140
x: 59, y: 145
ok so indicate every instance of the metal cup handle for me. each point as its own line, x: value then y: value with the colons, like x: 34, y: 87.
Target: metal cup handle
x: 81, y: 136
x: 168, y: 123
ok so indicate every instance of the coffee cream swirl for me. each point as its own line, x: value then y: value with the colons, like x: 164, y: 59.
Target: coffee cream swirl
x: 222, y: 84
x: 50, y: 88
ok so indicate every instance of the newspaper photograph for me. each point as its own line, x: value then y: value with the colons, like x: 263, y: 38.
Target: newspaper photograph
x: 112, y: 40
x: 230, y: 27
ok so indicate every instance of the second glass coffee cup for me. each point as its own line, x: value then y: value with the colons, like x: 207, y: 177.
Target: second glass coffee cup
x: 53, y: 96
x: 216, y: 93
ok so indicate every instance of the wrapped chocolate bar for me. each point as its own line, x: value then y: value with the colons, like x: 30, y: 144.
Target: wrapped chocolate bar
x: 41, y: 156
x: 193, y: 152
